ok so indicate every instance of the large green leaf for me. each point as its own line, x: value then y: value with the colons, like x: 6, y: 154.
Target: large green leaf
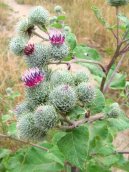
x: 34, y: 160
x: 93, y: 166
x: 118, y: 82
x: 118, y: 124
x: 84, y: 52
x: 122, y: 163
x: 98, y: 104
x: 94, y: 69
x: 74, y: 145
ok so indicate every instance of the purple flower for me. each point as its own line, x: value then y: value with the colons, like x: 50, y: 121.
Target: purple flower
x: 56, y: 37
x: 29, y: 49
x: 32, y: 77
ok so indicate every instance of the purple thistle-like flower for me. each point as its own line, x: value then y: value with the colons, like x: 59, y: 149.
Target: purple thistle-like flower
x: 32, y: 77
x: 29, y: 49
x: 56, y: 37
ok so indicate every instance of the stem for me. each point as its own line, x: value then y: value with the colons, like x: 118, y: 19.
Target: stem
x: 66, y: 119
x: 117, y: 12
x: 23, y: 141
x: 80, y: 61
x: 122, y: 152
x: 114, y: 73
x: 74, y: 169
x: 116, y: 54
x: 83, y: 121
x: 40, y: 36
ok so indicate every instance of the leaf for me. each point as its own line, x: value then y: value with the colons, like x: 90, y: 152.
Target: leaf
x: 57, y: 25
x: 93, y: 166
x: 119, y: 82
x: 109, y: 160
x: 57, y: 136
x: 84, y: 52
x: 74, y: 146
x: 118, y: 124
x: 76, y: 112
x: 99, y: 129
x: 72, y: 41
x: 34, y: 160
x: 4, y: 152
x: 61, y: 18
x: 122, y: 163
x: 98, y: 104
x: 12, y: 129
x: 5, y: 118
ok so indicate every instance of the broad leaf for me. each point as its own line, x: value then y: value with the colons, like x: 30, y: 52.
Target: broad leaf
x: 93, y: 166
x: 118, y: 124
x: 34, y: 160
x: 84, y: 52
x: 74, y: 146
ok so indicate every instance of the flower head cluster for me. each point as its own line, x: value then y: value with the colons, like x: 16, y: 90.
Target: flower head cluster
x: 32, y: 77
x: 56, y: 37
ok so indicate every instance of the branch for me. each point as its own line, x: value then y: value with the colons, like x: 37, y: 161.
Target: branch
x: 40, y: 36
x: 80, y: 61
x: 114, y: 34
x: 113, y: 74
x: 66, y: 119
x: 115, y: 152
x: 117, y: 12
x: 83, y: 121
x: 23, y: 141
x: 122, y: 152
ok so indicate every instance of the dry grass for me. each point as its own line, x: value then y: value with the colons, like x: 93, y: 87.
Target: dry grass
x: 3, y: 13
x: 10, y: 71
x: 10, y: 66
x: 32, y: 2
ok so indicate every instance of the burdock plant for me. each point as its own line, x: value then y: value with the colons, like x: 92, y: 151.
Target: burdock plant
x: 64, y: 107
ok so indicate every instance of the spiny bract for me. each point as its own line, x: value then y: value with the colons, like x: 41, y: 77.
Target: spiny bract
x: 67, y: 29
x: 21, y: 108
x: 45, y: 117
x: 63, y: 98
x: 38, y: 95
x: 39, y: 57
x: 59, y: 52
x: 85, y: 92
x: 52, y: 19
x: 17, y: 45
x: 26, y: 128
x: 114, y: 111
x: 61, y: 76
x: 58, y: 9
x: 117, y: 3
x: 39, y: 16
x: 80, y: 76
x: 24, y: 28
